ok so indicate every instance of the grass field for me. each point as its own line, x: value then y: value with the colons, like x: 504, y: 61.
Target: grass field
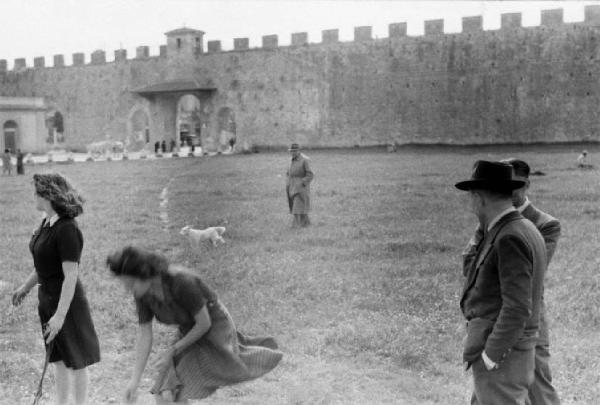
x: 364, y: 303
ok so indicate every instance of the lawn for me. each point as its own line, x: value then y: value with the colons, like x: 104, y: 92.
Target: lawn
x: 364, y: 303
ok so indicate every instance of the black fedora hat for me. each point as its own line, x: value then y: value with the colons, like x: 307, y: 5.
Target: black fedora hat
x: 495, y: 176
x: 294, y: 147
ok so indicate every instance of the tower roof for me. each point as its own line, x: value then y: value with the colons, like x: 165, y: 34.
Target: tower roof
x: 183, y: 31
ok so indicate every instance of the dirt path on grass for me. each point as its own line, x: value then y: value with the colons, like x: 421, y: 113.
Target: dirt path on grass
x: 163, y: 206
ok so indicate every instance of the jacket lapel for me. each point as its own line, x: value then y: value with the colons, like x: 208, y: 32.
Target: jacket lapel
x: 485, y: 249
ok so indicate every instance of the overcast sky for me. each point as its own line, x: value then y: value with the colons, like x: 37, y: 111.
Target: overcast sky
x: 30, y: 28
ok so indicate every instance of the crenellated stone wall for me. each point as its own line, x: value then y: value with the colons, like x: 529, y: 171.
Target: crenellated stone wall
x: 514, y: 84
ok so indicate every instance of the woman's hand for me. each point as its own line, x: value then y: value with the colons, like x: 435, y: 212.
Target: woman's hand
x: 131, y: 392
x: 53, y: 326
x: 19, y: 295
x: 164, y: 359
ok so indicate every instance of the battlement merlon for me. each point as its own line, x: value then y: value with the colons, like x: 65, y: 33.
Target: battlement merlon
x: 120, y: 55
x: 472, y: 24
x: 299, y: 38
x: 98, y: 57
x: 3, y: 65
x: 241, y: 44
x: 78, y: 59
x: 397, y: 30
x: 20, y: 64
x: 142, y: 52
x: 510, y: 20
x: 214, y: 46
x: 434, y: 27
x: 364, y: 33
x: 270, y: 41
x: 330, y: 36
x: 59, y: 60
x: 552, y: 18
x: 39, y: 62
x: 591, y: 15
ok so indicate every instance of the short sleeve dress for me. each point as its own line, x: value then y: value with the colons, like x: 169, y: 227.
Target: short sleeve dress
x: 223, y: 356
x: 76, y: 345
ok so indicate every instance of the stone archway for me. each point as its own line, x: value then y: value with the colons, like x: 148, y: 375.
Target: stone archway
x: 138, y: 128
x: 10, y: 135
x: 55, y: 126
x: 190, y: 123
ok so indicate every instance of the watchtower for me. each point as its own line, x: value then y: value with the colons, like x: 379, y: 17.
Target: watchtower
x: 184, y: 42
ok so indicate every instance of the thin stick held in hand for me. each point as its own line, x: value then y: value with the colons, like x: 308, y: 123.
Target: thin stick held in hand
x: 38, y: 394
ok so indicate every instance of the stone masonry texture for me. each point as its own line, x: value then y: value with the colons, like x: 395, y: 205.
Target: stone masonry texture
x: 512, y: 85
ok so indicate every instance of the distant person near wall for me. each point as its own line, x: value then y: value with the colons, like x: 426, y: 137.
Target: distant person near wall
x: 172, y: 146
x: 163, y: 146
x: 20, y: 167
x: 156, y: 146
x: 6, y: 163
x: 582, y: 162
x: 299, y: 176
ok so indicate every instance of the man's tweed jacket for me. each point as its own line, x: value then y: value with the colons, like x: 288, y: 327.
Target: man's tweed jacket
x: 550, y: 229
x: 502, y: 293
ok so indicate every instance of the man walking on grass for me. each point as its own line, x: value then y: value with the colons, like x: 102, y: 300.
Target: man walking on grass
x: 502, y: 292
x: 541, y: 392
x: 298, y: 179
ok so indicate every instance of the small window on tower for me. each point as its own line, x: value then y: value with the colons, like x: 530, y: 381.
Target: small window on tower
x: 178, y: 43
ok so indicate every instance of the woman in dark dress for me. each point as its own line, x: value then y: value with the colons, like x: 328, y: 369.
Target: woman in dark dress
x: 209, y: 352
x: 63, y: 308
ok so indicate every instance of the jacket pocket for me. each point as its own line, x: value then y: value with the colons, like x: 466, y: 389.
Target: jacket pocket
x: 478, y: 330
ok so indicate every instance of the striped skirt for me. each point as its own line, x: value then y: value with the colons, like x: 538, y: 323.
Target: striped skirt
x: 221, y: 357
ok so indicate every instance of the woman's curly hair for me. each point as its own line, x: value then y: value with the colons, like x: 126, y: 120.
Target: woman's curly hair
x: 137, y: 262
x: 65, y: 200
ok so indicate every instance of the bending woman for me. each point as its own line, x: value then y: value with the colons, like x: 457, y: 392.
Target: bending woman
x: 208, y: 352
x: 63, y: 308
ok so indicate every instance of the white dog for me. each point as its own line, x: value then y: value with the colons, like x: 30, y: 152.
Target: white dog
x: 196, y: 236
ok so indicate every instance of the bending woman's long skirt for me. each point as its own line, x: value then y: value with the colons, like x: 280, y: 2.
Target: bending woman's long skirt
x: 221, y: 357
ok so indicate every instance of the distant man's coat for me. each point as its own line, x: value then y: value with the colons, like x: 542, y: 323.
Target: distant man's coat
x: 501, y: 301
x: 299, y: 176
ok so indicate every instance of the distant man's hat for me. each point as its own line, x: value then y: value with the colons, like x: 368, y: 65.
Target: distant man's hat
x: 520, y: 167
x: 494, y: 176
x: 295, y: 147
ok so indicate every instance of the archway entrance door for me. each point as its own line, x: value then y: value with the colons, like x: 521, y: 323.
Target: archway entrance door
x: 189, y: 121
x: 10, y: 135
x: 140, y: 130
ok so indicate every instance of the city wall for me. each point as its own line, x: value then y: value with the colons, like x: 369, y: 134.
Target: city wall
x: 516, y: 84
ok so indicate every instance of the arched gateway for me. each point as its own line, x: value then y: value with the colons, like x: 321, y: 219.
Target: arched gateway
x: 185, y: 109
x: 10, y: 135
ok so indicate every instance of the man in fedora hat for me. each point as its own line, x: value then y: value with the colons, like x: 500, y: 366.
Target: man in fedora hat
x: 541, y: 392
x: 502, y: 292
x: 299, y: 176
